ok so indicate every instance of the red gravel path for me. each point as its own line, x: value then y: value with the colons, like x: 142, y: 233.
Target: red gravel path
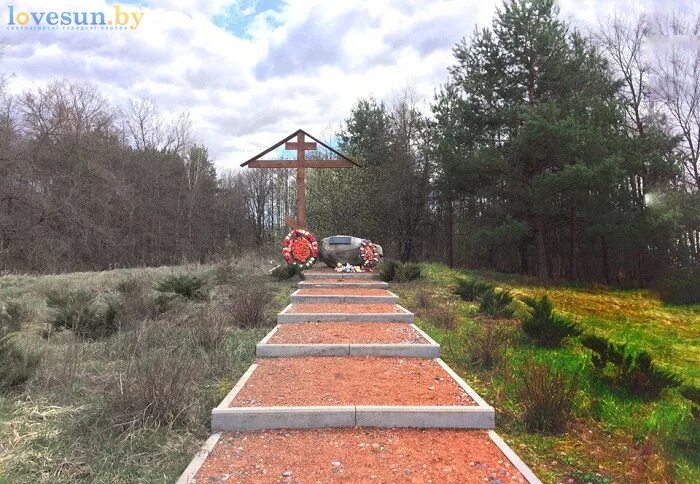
x: 337, y: 333
x: 333, y: 308
x: 310, y: 381
x: 343, y: 291
x: 335, y: 280
x: 358, y: 455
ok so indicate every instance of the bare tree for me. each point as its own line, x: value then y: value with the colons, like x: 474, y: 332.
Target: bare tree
x: 676, y: 84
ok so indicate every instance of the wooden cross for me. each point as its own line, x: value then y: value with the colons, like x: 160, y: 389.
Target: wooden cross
x: 301, y: 146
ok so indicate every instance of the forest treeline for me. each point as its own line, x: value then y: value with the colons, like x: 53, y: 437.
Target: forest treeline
x: 547, y: 151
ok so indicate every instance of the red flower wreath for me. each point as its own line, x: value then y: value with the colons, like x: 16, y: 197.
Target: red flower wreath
x: 369, y: 255
x: 300, y: 248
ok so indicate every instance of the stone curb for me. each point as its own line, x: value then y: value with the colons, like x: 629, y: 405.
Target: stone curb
x: 290, y: 350
x: 299, y: 298
x: 192, y: 469
x: 450, y: 417
x: 237, y: 387
x: 343, y: 285
x: 424, y: 335
x: 338, y: 275
x: 514, y: 459
x: 402, y: 317
x: 407, y: 350
x: 234, y: 419
x: 260, y: 418
x: 469, y: 390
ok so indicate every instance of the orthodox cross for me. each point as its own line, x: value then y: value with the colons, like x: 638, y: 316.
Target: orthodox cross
x: 301, y: 146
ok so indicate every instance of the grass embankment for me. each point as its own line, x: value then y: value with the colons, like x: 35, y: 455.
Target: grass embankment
x: 134, y: 406
x: 614, y: 435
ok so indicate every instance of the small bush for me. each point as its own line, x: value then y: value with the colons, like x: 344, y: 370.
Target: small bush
x: 633, y: 369
x: 16, y: 365
x: 157, y: 389
x: 471, y: 288
x: 496, y: 303
x: 486, y: 347
x: 137, y: 301
x: 392, y: 270
x: 284, y: 272
x: 423, y: 299
x: 409, y: 272
x: 543, y: 325
x: 547, y: 397
x: 681, y: 286
x: 208, y: 329
x: 189, y: 286
x: 88, y: 316
x: 12, y: 315
x: 250, y: 305
x: 692, y: 393
x: 443, y: 316
x: 388, y: 270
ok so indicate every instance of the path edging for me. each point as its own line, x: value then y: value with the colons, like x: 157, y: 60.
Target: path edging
x: 195, y: 464
x: 514, y: 459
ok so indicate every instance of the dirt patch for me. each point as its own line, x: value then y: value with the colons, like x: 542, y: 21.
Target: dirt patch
x: 339, y: 333
x: 352, y: 308
x: 343, y: 291
x: 313, y: 381
x: 358, y: 455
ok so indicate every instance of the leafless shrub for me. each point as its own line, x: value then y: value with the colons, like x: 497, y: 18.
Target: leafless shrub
x: 423, y: 299
x: 486, y: 347
x: 138, y: 302
x: 547, y: 397
x: 208, y: 327
x: 443, y: 316
x: 158, y: 388
x: 250, y: 304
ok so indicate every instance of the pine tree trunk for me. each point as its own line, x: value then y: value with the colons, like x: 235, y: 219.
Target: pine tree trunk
x: 450, y: 232
x: 542, y: 271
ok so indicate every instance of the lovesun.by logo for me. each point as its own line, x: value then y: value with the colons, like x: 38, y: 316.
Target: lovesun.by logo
x: 116, y: 19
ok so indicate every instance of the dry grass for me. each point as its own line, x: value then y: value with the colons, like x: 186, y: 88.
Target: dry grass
x: 133, y: 407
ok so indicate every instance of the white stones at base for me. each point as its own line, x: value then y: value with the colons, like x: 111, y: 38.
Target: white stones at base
x: 261, y: 418
x: 300, y: 298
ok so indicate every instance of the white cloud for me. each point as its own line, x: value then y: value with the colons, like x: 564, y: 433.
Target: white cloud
x: 301, y: 64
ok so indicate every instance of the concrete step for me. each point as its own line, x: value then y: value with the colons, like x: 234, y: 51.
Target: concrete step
x: 342, y: 283
x: 336, y: 339
x: 377, y: 313
x: 346, y: 296
x: 360, y: 412
x: 332, y: 455
x: 323, y: 274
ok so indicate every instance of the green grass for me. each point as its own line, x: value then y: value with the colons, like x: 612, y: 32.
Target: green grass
x: 615, y: 436
x: 58, y: 427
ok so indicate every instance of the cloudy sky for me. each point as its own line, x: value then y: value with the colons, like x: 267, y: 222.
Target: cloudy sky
x: 252, y: 71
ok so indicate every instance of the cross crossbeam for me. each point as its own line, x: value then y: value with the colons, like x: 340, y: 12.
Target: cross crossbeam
x: 301, y: 146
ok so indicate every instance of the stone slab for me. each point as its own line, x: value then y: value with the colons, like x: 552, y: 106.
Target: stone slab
x: 300, y: 298
x: 260, y: 418
x: 425, y: 417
